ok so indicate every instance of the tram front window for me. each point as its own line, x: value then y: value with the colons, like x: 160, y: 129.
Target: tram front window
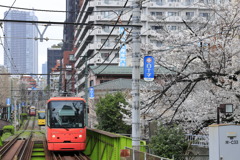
x: 41, y: 115
x: 66, y: 114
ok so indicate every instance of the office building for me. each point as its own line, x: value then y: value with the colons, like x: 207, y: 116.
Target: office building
x: 20, y: 48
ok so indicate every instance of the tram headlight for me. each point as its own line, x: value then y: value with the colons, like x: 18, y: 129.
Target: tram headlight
x: 53, y: 136
x: 80, y: 136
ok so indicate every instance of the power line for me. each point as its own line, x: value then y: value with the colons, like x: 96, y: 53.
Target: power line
x: 44, y: 10
x: 9, y: 9
x: 70, y: 23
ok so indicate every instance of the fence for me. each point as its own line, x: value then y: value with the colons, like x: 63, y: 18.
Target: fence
x: 198, y: 140
x: 192, y: 157
x: 138, y: 155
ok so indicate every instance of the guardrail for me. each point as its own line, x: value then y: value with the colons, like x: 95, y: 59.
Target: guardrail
x: 135, y: 154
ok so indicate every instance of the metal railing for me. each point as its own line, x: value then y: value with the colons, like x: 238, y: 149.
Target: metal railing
x: 138, y: 155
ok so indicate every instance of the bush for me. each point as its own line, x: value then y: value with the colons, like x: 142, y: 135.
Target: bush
x: 9, y: 129
x: 23, y: 116
x: 169, y: 141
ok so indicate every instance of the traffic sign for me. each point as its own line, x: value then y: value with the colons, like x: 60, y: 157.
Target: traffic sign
x: 148, y: 68
x: 91, y: 92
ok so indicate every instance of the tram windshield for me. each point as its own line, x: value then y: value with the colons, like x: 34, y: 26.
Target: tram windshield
x: 66, y: 114
x: 41, y: 115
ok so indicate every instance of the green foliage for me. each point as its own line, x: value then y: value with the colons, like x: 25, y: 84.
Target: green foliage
x: 168, y: 141
x: 110, y: 113
x: 9, y: 129
x: 23, y: 116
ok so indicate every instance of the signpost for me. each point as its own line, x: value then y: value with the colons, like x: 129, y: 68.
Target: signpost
x: 148, y: 68
x: 123, y: 48
x: 91, y: 92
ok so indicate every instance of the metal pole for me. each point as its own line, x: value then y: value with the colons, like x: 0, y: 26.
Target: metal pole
x: 136, y: 42
x: 15, y: 115
x: 86, y: 88
x: 218, y: 121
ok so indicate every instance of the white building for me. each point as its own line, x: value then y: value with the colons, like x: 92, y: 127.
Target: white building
x: 100, y: 44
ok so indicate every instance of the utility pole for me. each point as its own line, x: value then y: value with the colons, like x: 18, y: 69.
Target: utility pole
x: 136, y: 42
x: 86, y: 87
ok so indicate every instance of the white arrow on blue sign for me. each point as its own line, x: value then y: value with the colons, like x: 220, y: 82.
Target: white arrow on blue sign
x: 148, y: 68
x: 91, y: 92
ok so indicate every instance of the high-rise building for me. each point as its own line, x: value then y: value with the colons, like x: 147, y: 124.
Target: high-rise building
x: 53, y: 54
x: 72, y: 8
x: 20, y: 48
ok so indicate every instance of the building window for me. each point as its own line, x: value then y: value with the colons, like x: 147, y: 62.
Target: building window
x: 157, y: 14
x: 105, y: 56
x: 173, y: 13
x: 158, y: 2
x: 173, y: 0
x: 91, y: 83
x: 189, y: 2
x: 189, y: 15
x: 205, y: 15
x: 173, y: 28
x: 106, y: 1
x: 156, y: 43
x: 106, y: 14
x: 71, y: 57
x: 106, y: 29
x: 107, y: 44
x: 157, y: 28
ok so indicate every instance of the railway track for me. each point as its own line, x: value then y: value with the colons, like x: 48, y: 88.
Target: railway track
x: 27, y: 146
x: 19, y: 148
x: 69, y: 156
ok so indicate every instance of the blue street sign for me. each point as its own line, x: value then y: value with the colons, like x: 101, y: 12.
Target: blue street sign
x: 8, y: 101
x: 91, y: 92
x: 123, y: 49
x: 148, y: 68
x: 122, y: 55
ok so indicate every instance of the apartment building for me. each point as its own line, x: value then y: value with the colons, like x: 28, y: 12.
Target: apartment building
x: 97, y: 39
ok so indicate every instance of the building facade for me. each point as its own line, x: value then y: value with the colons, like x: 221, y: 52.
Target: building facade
x: 105, y: 43
x: 72, y: 8
x: 20, y: 48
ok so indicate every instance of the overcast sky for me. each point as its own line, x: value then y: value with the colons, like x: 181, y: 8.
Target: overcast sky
x: 52, y: 32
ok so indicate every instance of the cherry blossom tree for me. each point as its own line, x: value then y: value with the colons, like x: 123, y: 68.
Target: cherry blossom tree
x: 203, y: 70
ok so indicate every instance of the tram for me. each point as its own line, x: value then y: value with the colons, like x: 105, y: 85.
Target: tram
x: 65, y: 124
x: 41, y: 117
x: 32, y: 111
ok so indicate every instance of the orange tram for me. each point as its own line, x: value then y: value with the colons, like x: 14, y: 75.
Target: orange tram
x: 65, y: 124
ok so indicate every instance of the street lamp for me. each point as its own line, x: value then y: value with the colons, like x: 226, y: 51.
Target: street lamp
x: 224, y: 108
